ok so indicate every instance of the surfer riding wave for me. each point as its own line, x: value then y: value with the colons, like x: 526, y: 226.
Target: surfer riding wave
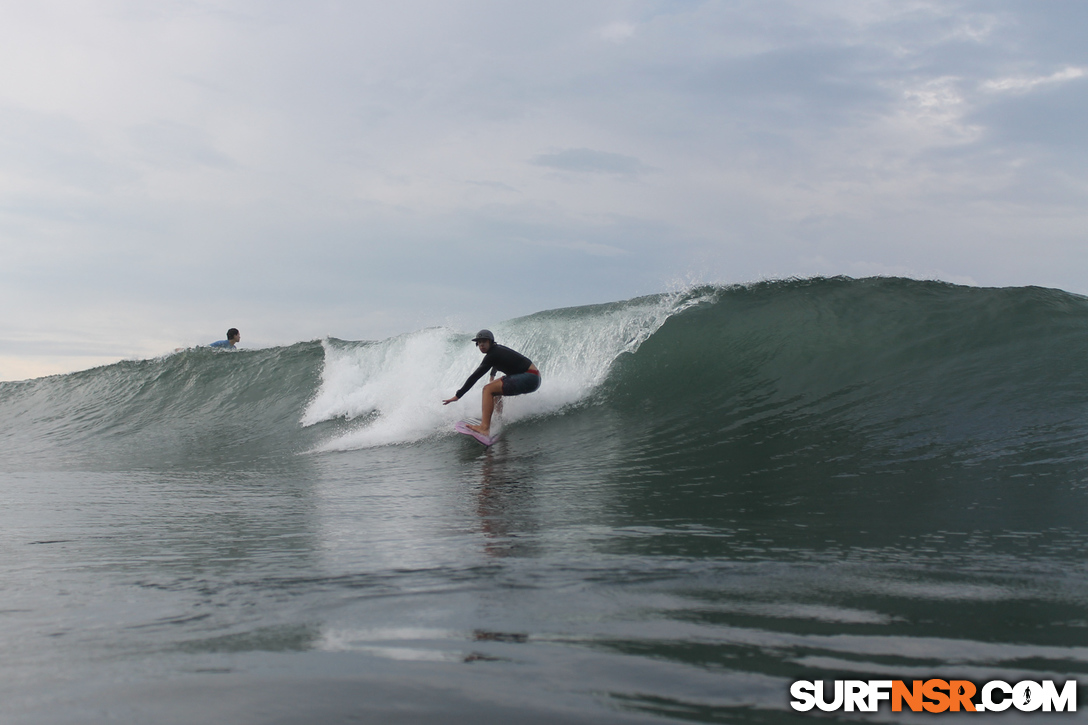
x: 520, y: 376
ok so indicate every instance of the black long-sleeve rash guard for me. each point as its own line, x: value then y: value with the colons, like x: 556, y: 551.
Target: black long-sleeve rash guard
x: 501, y: 358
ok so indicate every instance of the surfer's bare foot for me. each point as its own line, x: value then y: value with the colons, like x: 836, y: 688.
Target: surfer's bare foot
x: 480, y: 430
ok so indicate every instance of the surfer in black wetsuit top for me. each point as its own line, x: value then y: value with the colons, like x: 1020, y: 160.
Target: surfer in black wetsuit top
x: 520, y: 377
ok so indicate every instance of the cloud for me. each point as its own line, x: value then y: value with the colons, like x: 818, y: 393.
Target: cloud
x: 591, y: 249
x: 177, y: 145
x: 1023, y: 83
x: 583, y: 160
x: 618, y: 32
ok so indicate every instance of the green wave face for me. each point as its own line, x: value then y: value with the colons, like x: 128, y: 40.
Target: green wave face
x: 873, y: 355
x: 196, y: 408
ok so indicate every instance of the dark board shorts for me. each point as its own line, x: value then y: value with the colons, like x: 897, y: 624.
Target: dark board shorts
x: 520, y: 384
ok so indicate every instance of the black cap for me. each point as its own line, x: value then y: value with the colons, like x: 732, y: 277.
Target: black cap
x: 484, y: 335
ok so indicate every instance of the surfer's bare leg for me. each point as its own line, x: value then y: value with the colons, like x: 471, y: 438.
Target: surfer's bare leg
x: 492, y: 393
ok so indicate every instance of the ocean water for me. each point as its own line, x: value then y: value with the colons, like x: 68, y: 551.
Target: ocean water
x: 714, y: 493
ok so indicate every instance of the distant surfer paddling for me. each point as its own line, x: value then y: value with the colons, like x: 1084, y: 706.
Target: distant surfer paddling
x: 520, y: 376
x: 233, y: 338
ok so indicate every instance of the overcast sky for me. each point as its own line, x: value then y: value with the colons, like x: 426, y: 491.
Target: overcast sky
x: 363, y: 169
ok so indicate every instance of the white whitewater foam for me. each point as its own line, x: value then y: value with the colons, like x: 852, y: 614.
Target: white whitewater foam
x: 397, y: 385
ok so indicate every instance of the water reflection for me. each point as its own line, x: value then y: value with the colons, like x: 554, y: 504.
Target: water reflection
x: 501, y: 502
